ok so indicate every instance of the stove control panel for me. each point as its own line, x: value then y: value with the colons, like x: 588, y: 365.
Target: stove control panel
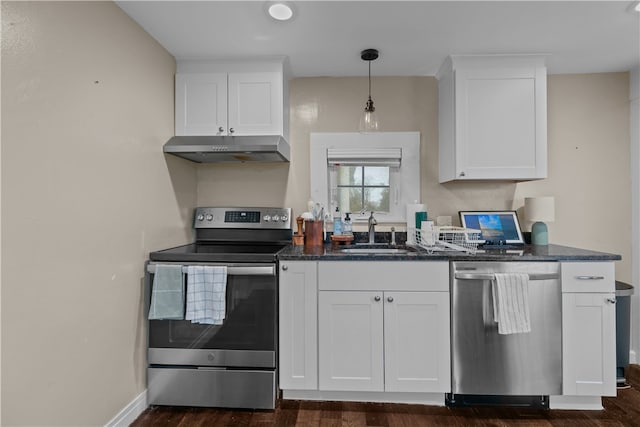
x: 278, y: 218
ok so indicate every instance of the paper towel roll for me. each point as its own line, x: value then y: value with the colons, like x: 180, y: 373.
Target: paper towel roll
x: 412, y: 208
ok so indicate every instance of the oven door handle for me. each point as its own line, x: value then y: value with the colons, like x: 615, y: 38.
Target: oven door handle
x: 235, y: 270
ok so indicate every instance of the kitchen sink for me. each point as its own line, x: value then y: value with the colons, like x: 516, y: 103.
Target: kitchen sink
x: 377, y: 249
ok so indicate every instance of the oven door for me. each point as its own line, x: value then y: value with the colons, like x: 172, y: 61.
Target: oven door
x: 247, y: 337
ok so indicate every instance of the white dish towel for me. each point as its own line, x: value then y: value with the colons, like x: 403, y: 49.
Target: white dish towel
x: 206, y: 290
x: 511, y: 303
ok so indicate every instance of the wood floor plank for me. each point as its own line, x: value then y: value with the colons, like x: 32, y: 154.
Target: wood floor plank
x: 620, y: 411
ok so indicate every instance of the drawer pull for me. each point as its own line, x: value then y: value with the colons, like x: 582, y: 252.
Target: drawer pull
x: 590, y: 277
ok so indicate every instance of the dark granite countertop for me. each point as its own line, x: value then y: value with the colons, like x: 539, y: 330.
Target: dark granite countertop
x: 523, y: 253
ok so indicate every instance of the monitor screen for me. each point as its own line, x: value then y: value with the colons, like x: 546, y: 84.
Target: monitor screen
x: 495, y: 226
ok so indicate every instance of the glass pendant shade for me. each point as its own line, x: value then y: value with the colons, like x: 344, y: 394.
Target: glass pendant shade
x: 369, y: 121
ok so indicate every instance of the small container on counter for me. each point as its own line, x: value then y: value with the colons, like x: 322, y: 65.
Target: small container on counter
x: 337, y: 223
x: 313, y: 231
x: 347, y: 226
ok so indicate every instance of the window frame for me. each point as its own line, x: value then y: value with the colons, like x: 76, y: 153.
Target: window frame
x: 404, y: 180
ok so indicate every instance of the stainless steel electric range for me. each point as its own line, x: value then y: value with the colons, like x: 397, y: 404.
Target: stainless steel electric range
x: 231, y: 364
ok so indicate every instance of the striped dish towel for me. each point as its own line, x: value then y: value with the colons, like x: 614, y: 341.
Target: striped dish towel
x: 511, y: 303
x: 206, y: 290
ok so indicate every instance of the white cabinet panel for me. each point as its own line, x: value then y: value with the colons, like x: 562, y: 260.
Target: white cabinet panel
x: 588, y: 346
x: 233, y: 102
x: 492, y: 119
x: 298, y: 315
x: 384, y: 276
x: 201, y: 104
x: 391, y: 341
x: 588, y: 329
x: 350, y: 341
x: 416, y: 334
x: 255, y: 103
x: 588, y: 277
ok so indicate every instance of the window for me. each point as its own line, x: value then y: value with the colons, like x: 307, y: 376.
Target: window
x: 362, y: 188
x: 361, y: 173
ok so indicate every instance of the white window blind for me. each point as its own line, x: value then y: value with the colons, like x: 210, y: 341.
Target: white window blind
x: 390, y: 157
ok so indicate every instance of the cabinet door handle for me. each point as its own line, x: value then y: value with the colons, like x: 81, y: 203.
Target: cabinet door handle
x: 462, y: 173
x: 231, y: 130
x: 376, y: 298
x: 390, y: 299
x: 285, y: 268
x: 220, y: 129
x: 611, y: 300
x: 590, y: 277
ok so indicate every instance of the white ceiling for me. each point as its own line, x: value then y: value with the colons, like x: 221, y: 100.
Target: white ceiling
x: 414, y: 37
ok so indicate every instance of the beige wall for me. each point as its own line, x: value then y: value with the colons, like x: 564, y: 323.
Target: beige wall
x: 588, y: 133
x: 87, y: 102
x: 589, y: 164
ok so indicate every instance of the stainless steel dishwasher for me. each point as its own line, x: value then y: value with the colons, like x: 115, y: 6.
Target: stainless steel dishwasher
x: 515, y: 369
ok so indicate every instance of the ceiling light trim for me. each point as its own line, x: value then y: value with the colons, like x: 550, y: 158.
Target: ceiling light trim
x: 280, y: 11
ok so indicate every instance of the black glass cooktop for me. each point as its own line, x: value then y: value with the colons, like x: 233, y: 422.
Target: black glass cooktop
x: 219, y: 252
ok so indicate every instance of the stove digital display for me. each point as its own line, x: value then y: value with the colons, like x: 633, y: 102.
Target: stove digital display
x: 243, y: 217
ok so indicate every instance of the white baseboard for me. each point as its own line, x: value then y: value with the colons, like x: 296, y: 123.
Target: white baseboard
x: 129, y: 413
x: 582, y: 403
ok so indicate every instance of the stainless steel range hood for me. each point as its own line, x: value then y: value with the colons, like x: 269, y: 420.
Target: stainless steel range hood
x: 229, y: 149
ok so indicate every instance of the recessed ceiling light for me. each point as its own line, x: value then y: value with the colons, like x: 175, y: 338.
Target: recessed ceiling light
x: 280, y: 11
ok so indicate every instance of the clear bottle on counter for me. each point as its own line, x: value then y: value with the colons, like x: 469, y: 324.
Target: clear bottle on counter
x: 347, y: 226
x: 337, y: 222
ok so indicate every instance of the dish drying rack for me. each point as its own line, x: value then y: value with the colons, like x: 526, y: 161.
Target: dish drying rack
x: 446, y: 238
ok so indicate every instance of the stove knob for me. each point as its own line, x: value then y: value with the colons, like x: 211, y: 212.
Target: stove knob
x: 209, y: 217
x: 200, y: 217
x: 266, y: 218
x: 276, y: 218
x: 284, y: 218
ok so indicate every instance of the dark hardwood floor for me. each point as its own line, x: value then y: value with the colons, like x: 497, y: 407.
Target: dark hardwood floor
x: 623, y: 410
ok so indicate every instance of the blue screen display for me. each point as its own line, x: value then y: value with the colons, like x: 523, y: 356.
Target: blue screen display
x: 494, y: 226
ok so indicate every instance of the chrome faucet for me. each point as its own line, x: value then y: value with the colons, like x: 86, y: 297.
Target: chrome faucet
x: 372, y: 228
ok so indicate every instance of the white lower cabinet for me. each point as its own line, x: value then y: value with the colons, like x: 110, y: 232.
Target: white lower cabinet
x: 350, y: 341
x: 383, y: 340
x: 416, y: 342
x: 298, y: 317
x: 588, y: 329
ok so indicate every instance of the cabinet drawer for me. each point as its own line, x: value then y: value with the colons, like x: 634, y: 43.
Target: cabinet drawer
x: 381, y: 276
x: 588, y: 277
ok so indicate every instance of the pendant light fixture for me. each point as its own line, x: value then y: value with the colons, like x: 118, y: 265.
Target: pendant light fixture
x: 369, y: 119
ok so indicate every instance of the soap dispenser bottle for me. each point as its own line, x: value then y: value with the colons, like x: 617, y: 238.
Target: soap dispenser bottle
x: 347, y: 227
x: 337, y: 222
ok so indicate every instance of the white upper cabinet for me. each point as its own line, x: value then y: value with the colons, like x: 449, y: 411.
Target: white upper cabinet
x: 492, y: 118
x: 231, y: 99
x: 201, y: 104
x: 255, y: 104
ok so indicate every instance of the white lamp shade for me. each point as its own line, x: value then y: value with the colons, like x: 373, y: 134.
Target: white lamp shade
x: 540, y: 209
